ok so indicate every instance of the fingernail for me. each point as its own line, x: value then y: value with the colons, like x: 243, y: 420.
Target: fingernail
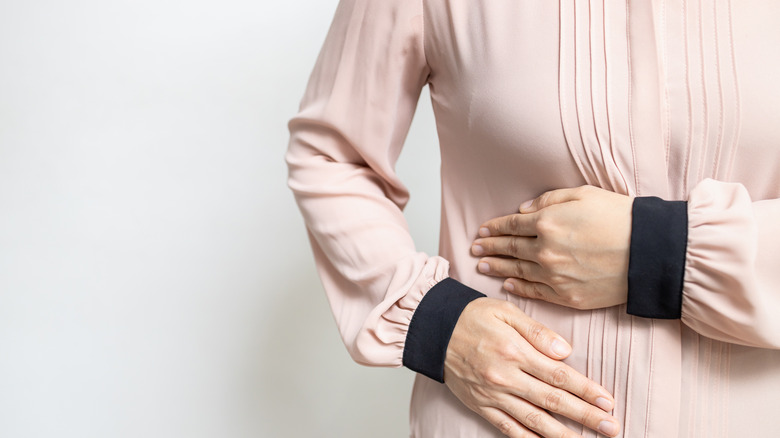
x: 526, y: 204
x: 608, y: 428
x: 604, y: 404
x: 477, y: 249
x: 560, y: 348
x: 509, y: 286
x: 483, y: 268
x: 484, y: 232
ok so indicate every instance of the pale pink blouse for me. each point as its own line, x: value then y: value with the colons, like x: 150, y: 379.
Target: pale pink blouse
x: 673, y: 98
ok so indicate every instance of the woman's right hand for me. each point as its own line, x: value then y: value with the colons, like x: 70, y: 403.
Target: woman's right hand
x: 506, y: 367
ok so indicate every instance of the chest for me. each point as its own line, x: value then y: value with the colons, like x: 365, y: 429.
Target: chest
x: 641, y: 97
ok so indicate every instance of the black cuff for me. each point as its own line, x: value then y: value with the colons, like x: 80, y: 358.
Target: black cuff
x: 432, y: 325
x: 656, y: 266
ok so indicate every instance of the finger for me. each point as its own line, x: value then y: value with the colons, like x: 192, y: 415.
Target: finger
x: 536, y: 419
x: 524, y: 248
x: 540, y: 337
x: 551, y: 198
x: 560, y: 375
x: 506, y: 267
x: 561, y: 402
x: 511, y: 225
x: 506, y: 424
x: 530, y: 286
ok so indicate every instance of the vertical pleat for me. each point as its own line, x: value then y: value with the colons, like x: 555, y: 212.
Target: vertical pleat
x: 724, y: 422
x: 664, y: 36
x: 567, y: 97
x: 600, y: 94
x: 617, y: 90
x: 588, y: 98
x: 704, y: 90
x: 714, y: 55
x: 630, y: 378
x: 610, y: 348
x: 690, y: 386
x: 717, y: 379
x: 688, y: 163
x: 582, y: 91
x: 646, y: 78
x: 732, y: 99
x: 705, y: 398
x: 704, y: 118
x: 587, y: 433
x: 620, y: 361
x: 704, y: 386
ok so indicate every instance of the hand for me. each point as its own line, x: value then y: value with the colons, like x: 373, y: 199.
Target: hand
x: 568, y: 247
x: 506, y: 367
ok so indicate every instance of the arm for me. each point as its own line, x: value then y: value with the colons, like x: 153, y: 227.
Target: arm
x: 711, y: 261
x: 344, y: 143
x: 730, y: 288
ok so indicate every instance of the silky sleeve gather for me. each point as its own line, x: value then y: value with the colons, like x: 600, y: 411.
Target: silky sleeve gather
x: 731, y: 288
x: 713, y: 261
x: 344, y: 143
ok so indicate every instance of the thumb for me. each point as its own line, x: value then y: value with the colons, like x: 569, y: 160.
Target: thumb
x: 537, y: 334
x: 547, y: 199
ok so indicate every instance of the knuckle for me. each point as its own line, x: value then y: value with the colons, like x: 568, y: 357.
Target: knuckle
x: 509, y: 351
x: 505, y: 427
x: 517, y: 270
x: 536, y: 333
x: 553, y: 400
x: 513, y: 247
x: 588, y: 388
x: 514, y: 222
x: 506, y: 307
x: 546, y: 257
x: 544, y: 224
x: 575, y: 301
x: 556, y: 279
x: 537, y: 290
x: 533, y: 419
x: 587, y: 417
x: 493, y: 377
x: 559, y: 377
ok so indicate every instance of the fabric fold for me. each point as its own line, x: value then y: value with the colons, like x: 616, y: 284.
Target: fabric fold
x: 731, y: 274
x: 344, y: 144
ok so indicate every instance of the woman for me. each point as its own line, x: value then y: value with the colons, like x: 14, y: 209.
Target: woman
x: 667, y: 305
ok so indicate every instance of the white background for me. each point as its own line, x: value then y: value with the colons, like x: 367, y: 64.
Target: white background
x: 155, y: 277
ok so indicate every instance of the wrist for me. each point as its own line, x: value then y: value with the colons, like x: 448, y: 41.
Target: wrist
x: 656, y: 267
x: 432, y: 324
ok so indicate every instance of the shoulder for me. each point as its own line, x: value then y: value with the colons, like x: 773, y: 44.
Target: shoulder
x: 382, y: 10
x: 380, y: 22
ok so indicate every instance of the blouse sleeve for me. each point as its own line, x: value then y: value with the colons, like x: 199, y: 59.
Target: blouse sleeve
x: 719, y: 256
x: 344, y: 144
x: 731, y: 290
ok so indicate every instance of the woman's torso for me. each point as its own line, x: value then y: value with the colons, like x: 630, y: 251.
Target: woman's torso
x: 639, y: 97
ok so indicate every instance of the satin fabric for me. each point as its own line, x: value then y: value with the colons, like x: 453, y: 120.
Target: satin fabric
x: 671, y: 98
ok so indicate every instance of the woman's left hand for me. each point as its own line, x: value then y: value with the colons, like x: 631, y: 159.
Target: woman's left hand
x: 568, y: 247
